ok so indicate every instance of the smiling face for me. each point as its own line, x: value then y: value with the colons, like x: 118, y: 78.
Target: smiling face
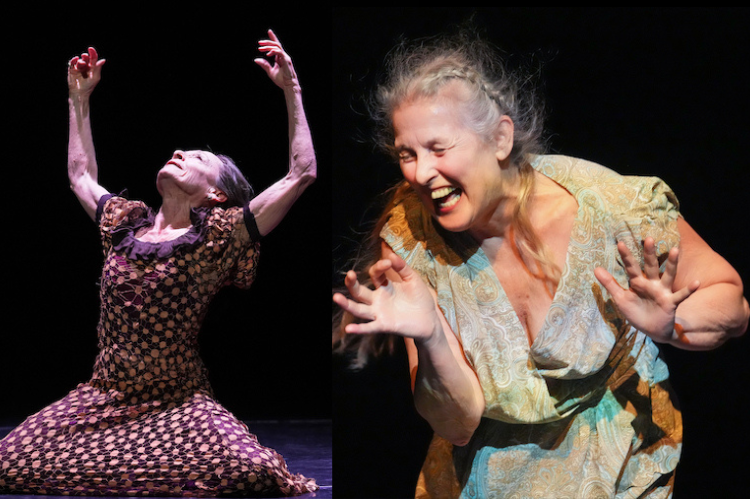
x: 191, y: 174
x: 456, y: 173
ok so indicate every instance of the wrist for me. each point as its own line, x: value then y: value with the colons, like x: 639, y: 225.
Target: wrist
x: 76, y: 95
x: 433, y: 336
x: 292, y: 86
x: 293, y: 95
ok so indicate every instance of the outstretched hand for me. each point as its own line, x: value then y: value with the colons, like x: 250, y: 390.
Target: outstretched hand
x: 649, y: 304
x: 403, y: 304
x: 281, y: 71
x: 84, y: 72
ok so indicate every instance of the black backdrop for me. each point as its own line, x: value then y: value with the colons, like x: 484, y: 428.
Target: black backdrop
x: 657, y: 92
x: 183, y: 79
x: 644, y: 91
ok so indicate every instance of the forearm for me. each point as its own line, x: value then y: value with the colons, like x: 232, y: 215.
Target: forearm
x: 271, y: 206
x: 302, y: 162
x: 81, y: 156
x: 446, y: 391
x: 82, y: 167
x: 710, y: 317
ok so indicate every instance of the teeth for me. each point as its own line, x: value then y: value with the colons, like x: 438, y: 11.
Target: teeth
x: 445, y: 197
x: 442, y: 192
x: 450, y: 202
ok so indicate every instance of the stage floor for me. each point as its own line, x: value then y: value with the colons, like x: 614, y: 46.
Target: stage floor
x: 305, y: 445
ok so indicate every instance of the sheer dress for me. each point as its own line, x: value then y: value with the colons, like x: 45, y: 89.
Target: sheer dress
x: 147, y: 423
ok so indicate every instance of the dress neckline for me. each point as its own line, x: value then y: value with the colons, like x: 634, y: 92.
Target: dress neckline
x: 124, y: 235
x: 145, y: 230
x: 564, y: 270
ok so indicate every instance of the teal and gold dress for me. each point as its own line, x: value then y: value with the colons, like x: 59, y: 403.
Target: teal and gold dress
x: 585, y: 411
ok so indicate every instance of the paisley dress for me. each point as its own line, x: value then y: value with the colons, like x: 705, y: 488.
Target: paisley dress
x: 147, y: 423
x: 585, y: 411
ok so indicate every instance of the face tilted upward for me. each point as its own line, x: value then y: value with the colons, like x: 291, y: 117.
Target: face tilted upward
x: 192, y: 173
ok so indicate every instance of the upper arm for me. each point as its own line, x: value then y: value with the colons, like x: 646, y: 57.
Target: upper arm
x: 271, y: 206
x: 697, y: 261
x: 89, y: 192
x: 718, y: 310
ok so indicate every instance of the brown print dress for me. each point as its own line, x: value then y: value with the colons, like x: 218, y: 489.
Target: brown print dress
x: 147, y: 423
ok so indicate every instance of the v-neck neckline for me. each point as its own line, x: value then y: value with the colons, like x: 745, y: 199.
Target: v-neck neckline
x: 560, y: 284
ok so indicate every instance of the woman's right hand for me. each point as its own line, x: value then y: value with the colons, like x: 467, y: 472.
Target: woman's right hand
x: 400, y: 303
x: 84, y: 72
x: 446, y: 389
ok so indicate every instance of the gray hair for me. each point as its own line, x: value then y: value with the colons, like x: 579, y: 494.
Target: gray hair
x: 423, y: 68
x: 233, y: 183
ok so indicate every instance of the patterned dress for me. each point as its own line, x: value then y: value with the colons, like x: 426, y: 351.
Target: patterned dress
x: 146, y: 423
x: 585, y: 411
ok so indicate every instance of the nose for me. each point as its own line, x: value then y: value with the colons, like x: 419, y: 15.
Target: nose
x: 179, y: 155
x: 424, y: 169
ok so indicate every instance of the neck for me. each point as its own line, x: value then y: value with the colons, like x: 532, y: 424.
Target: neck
x: 497, y: 224
x: 543, y: 207
x: 500, y: 215
x: 172, y: 215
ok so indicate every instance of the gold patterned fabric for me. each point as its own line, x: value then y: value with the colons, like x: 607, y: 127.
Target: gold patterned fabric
x: 586, y: 410
x: 146, y: 423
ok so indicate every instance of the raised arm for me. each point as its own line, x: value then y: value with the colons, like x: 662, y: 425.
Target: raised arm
x: 446, y: 390
x: 270, y: 206
x: 84, y: 72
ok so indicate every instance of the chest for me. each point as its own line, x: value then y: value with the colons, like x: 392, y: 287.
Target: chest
x: 150, y: 235
x: 529, y: 286
x: 181, y: 278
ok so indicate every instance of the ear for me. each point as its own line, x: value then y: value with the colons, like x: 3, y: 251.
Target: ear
x: 504, y: 138
x: 216, y: 196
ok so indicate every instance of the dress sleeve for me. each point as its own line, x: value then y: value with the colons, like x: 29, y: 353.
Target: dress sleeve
x: 652, y: 212
x: 113, y: 212
x: 408, y: 231
x: 238, y: 242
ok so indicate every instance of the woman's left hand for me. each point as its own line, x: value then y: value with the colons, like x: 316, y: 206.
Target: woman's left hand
x: 649, y: 304
x: 281, y: 71
x: 84, y: 72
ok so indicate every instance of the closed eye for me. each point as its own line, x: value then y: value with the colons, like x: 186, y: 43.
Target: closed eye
x: 200, y: 156
x: 406, y: 158
x: 405, y: 155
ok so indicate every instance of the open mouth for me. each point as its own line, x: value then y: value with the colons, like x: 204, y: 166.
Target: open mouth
x: 445, y: 198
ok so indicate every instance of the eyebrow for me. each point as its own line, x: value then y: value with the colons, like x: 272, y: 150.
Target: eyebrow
x: 430, y: 144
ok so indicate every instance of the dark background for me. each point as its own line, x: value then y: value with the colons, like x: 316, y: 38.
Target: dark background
x: 183, y: 79
x: 656, y: 92
x: 643, y: 91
